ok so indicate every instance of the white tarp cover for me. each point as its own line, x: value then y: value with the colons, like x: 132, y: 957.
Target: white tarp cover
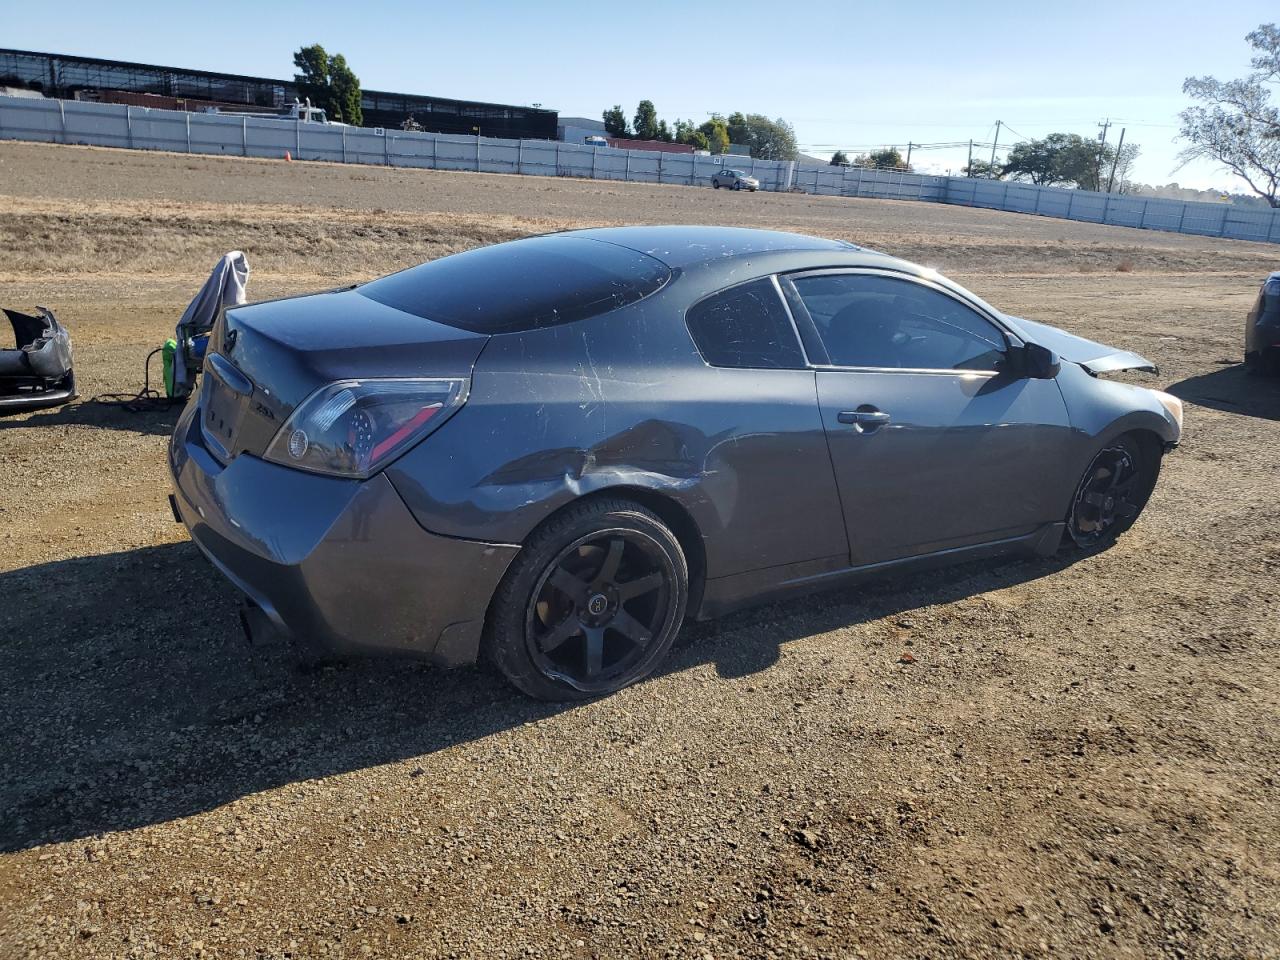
x: 224, y: 288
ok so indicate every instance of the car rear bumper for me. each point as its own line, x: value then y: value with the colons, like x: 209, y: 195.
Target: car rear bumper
x: 338, y: 564
x: 36, y: 399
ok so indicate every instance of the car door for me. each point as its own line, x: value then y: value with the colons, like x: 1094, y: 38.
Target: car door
x: 766, y: 468
x: 934, y: 445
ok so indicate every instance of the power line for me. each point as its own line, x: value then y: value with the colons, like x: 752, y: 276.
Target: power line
x: 1020, y: 136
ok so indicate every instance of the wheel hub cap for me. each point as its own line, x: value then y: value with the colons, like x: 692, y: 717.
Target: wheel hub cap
x: 598, y: 604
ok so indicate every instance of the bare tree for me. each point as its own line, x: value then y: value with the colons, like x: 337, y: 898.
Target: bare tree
x: 1122, y: 167
x: 1236, y: 124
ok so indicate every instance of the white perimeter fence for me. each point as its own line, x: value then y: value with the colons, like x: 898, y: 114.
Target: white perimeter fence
x: 142, y: 128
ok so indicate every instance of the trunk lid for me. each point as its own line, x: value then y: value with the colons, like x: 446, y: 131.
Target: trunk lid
x: 266, y: 358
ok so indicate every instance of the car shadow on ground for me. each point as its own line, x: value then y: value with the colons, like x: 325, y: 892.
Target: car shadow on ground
x: 1232, y: 390
x: 128, y: 695
x: 149, y: 417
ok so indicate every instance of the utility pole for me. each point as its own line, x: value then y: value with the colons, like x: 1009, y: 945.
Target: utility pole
x: 1102, y: 146
x: 994, y: 143
x: 909, y: 145
x: 1116, y: 162
x: 968, y: 171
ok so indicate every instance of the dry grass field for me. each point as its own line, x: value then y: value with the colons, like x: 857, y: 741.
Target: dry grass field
x: 1082, y: 759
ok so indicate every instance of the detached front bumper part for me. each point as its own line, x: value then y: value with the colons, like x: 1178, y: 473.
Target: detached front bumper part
x: 338, y: 564
x: 37, y: 373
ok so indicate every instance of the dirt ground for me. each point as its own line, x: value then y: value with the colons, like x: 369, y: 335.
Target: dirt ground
x: 1082, y: 759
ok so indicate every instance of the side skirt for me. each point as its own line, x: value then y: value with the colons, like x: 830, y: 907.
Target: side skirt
x: 726, y: 594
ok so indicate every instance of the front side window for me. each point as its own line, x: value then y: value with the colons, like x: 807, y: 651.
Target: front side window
x: 868, y: 320
x: 746, y: 326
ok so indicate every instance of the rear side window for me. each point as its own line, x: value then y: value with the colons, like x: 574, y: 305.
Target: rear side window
x: 745, y: 327
x: 522, y: 285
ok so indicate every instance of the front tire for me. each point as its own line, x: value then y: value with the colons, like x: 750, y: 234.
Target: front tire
x: 1263, y: 363
x: 592, y: 603
x: 716, y: 184
x: 1112, y: 492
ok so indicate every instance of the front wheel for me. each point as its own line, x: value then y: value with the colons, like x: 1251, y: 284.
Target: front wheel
x: 716, y: 184
x: 1111, y: 494
x: 592, y: 603
x: 1263, y: 363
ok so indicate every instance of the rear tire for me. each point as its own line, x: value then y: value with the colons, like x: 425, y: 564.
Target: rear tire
x: 592, y: 603
x: 1112, y: 492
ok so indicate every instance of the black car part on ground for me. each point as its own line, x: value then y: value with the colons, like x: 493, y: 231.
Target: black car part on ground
x: 37, y: 372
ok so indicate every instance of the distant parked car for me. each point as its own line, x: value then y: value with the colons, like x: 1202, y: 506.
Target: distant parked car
x: 1262, y: 329
x: 735, y: 180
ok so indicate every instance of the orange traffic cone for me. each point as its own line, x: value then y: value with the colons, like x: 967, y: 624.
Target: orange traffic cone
x: 288, y: 157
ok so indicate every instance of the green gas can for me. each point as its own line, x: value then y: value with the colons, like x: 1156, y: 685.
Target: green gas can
x: 169, y: 355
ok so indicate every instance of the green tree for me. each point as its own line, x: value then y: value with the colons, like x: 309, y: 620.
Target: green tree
x: 312, y: 77
x: 686, y: 132
x: 615, y: 122
x: 983, y: 169
x: 767, y: 139
x: 1063, y: 159
x: 663, y: 132
x: 645, y: 123
x: 736, y: 124
x: 345, y: 92
x: 1235, y: 123
x: 887, y: 158
x: 716, y: 132
x: 328, y: 83
x: 839, y: 159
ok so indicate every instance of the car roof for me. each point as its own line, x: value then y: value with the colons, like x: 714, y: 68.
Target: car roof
x: 680, y: 247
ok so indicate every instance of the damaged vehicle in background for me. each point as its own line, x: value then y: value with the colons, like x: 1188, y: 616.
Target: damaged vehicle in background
x: 550, y: 451
x: 37, y: 372
x: 1262, y: 330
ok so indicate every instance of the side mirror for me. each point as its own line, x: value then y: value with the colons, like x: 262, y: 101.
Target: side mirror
x: 1034, y: 362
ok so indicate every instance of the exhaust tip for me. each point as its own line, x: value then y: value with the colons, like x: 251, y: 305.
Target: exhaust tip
x: 257, y: 627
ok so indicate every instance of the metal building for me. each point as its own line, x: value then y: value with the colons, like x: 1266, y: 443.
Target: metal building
x: 63, y: 76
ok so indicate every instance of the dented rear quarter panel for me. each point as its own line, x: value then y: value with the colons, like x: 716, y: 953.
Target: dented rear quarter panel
x: 624, y: 401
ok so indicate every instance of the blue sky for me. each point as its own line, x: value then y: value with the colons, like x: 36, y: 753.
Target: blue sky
x: 852, y: 75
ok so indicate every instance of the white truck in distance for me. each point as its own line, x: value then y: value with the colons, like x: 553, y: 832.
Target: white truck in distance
x: 297, y: 111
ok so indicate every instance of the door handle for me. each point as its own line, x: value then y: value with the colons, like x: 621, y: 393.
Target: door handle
x: 864, y: 417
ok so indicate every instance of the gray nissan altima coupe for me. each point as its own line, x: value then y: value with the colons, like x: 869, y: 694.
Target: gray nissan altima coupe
x: 549, y: 452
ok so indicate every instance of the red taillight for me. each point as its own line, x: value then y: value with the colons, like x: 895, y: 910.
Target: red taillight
x: 355, y: 427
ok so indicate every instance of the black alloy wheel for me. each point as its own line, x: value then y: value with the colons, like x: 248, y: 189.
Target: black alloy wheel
x: 598, y: 607
x: 1111, y: 494
x: 601, y: 593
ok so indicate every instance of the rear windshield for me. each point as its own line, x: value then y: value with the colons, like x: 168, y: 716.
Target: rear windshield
x: 536, y: 282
